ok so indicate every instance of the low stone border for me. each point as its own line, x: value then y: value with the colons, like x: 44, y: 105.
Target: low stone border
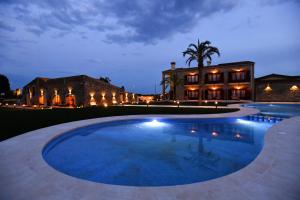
x: 274, y: 174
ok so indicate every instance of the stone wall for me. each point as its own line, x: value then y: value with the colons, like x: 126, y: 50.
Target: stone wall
x: 280, y: 91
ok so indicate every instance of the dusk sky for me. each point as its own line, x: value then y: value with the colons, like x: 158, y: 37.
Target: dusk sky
x: 132, y: 41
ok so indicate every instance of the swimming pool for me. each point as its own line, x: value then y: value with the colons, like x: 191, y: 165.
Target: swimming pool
x: 278, y: 110
x: 157, y: 152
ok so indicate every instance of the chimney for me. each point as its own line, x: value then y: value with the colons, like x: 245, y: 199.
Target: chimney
x: 173, y: 65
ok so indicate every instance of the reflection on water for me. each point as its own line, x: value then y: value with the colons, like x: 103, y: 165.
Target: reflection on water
x: 155, y: 153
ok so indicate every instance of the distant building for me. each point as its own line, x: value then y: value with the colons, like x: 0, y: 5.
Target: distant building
x: 17, y: 92
x: 148, y: 97
x: 227, y: 81
x: 276, y: 88
x: 73, y: 91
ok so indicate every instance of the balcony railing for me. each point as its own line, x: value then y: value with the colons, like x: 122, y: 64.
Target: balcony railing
x: 191, y: 83
x: 238, y: 77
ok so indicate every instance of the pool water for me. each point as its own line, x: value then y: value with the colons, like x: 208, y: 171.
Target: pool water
x: 277, y: 110
x: 157, y: 152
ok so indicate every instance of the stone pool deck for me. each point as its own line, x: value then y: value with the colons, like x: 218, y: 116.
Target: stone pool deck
x: 275, y: 173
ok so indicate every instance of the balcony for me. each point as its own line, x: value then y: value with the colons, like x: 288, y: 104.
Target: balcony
x: 214, y: 94
x: 191, y: 94
x: 191, y: 83
x: 239, y: 77
x: 214, y: 78
x: 191, y: 79
x: 239, y: 94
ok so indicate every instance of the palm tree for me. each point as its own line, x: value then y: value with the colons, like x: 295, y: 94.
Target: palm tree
x: 200, y: 52
x: 173, y: 81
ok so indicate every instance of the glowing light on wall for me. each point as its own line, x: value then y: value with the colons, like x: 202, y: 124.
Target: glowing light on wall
x: 30, y: 94
x: 126, y: 97
x: 214, y: 88
x: 70, y: 90
x: 268, y: 88
x: 114, y: 101
x: 42, y: 98
x: 103, y: 96
x: 56, y: 100
x: 237, y: 70
x: 238, y: 87
x: 294, y: 88
x: 214, y: 71
x: 92, y: 100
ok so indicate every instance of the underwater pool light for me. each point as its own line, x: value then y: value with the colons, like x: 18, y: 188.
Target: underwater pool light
x: 155, y: 123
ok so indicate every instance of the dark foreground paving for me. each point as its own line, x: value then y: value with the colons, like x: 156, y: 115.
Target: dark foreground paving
x: 14, y: 122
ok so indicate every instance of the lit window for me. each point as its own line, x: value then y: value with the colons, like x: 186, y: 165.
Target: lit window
x: 238, y: 76
x: 213, y: 77
x: 192, y: 94
x: 192, y: 78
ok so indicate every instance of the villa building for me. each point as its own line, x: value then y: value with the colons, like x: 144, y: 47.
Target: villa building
x: 227, y: 81
x: 73, y: 91
x: 276, y: 87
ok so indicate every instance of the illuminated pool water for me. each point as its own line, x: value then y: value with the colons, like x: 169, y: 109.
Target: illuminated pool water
x: 279, y: 110
x: 157, y: 152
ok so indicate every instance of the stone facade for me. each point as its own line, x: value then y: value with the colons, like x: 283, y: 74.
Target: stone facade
x: 73, y: 91
x: 227, y: 81
x: 277, y: 88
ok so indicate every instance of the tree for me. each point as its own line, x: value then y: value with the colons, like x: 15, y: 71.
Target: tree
x: 4, y: 85
x: 105, y: 79
x: 200, y: 52
x: 173, y: 81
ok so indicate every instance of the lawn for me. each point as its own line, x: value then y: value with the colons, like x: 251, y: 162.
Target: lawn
x: 17, y: 121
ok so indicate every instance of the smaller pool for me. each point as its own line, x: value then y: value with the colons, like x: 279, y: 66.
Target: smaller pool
x: 277, y: 110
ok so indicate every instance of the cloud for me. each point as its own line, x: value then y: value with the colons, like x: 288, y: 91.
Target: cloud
x: 122, y: 21
x: 274, y: 2
x: 6, y: 27
x: 94, y: 61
